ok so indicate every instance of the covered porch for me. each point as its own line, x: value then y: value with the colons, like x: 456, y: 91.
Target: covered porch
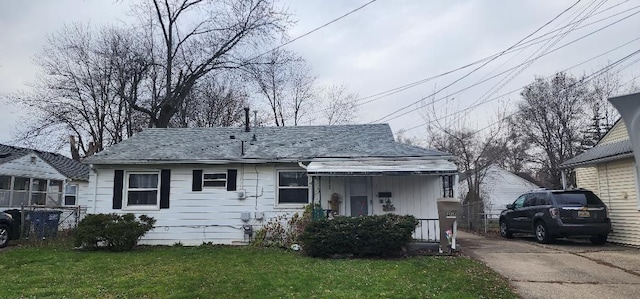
x: 374, y: 187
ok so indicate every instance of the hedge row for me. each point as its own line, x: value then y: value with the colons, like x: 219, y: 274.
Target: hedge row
x: 377, y: 235
x: 111, y: 231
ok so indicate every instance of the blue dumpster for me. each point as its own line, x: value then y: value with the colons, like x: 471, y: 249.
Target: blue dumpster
x: 43, y: 223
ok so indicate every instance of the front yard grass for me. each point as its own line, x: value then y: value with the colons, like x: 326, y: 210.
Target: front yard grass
x: 236, y: 272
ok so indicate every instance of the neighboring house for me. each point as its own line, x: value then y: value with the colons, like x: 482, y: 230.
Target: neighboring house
x: 36, y: 178
x: 608, y: 170
x: 498, y: 188
x: 218, y: 184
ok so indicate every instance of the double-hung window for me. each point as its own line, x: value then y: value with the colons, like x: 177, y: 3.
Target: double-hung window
x: 293, y: 187
x: 142, y: 189
x: 214, y: 179
x: 70, y: 195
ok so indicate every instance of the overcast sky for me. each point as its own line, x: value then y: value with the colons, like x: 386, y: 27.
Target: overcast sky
x: 387, y: 44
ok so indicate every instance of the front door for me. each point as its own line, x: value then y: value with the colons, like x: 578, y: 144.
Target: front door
x: 359, y: 201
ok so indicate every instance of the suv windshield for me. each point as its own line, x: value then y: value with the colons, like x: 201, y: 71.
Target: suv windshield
x: 577, y: 198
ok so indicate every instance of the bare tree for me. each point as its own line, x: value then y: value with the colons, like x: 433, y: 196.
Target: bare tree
x: 338, y: 105
x: 213, y: 102
x: 551, y: 116
x: 79, y: 93
x: 188, y: 39
x: 285, y: 83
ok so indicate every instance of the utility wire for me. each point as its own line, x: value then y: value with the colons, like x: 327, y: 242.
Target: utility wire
x: 492, y: 77
x: 490, y: 60
x: 520, y: 88
x: 316, y: 29
x: 380, y: 95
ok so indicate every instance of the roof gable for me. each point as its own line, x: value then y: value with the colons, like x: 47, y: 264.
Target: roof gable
x: 617, y: 133
x: 270, y: 144
x: 68, y: 167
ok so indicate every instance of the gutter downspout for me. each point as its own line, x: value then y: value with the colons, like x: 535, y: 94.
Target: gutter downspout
x: 95, y: 188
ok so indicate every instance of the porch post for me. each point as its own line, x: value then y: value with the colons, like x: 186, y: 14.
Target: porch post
x: 564, y: 179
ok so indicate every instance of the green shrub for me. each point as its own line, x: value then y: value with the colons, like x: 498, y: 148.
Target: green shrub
x: 370, y: 236
x: 112, y: 232
x: 282, y: 231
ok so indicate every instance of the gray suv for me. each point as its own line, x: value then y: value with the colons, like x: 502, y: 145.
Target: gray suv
x: 557, y: 213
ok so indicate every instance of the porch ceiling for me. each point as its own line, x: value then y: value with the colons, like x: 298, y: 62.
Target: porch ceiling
x: 381, y: 167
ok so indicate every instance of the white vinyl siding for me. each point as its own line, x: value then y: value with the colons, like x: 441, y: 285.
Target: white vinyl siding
x: 211, y: 215
x: 617, y: 133
x: 587, y: 178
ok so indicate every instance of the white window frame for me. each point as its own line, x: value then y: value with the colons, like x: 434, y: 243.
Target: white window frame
x: 226, y: 178
x: 278, y: 187
x: 75, y: 195
x: 125, y: 191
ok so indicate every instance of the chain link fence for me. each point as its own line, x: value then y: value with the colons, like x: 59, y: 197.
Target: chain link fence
x: 41, y: 222
x: 472, y: 217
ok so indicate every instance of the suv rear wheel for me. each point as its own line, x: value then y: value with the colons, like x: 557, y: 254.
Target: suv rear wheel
x: 598, y: 239
x: 504, y: 230
x: 541, y: 232
x: 4, y: 235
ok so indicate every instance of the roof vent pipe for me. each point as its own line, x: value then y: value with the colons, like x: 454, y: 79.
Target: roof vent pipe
x: 629, y: 108
x: 246, y: 119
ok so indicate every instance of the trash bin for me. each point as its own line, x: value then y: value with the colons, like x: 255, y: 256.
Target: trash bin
x: 447, y: 216
x: 44, y: 223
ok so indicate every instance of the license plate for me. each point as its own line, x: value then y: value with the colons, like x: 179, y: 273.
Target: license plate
x: 584, y: 214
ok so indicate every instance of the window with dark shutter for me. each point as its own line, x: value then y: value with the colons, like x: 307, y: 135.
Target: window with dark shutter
x: 118, y: 180
x: 165, y: 188
x: 196, y: 184
x: 232, y: 175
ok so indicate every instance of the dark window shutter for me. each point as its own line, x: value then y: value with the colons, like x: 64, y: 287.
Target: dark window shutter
x: 118, y: 182
x: 165, y: 188
x: 232, y: 174
x: 196, y: 184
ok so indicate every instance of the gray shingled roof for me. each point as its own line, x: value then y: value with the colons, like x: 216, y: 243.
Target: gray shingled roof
x: 601, y: 153
x: 192, y: 145
x: 68, y: 167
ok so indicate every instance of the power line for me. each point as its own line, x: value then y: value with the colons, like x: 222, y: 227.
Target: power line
x: 485, y: 80
x: 524, y: 45
x: 490, y: 60
x: 316, y: 29
x: 475, y: 105
x: 584, y: 81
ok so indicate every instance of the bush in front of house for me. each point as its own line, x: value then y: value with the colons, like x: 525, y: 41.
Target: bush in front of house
x: 283, y: 231
x: 112, y: 232
x: 369, y: 236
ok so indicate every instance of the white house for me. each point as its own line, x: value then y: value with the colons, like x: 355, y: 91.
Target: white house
x: 36, y: 178
x: 498, y: 188
x: 215, y: 184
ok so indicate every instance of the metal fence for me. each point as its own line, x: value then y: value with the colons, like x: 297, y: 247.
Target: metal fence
x: 472, y: 217
x: 40, y: 222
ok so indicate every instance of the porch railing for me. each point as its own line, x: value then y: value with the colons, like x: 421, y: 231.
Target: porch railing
x: 428, y: 230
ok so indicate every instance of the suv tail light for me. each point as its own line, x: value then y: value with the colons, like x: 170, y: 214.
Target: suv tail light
x: 554, y: 212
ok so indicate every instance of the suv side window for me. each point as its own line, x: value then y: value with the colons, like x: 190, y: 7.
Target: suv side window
x: 542, y: 199
x: 519, y: 202
x: 530, y: 200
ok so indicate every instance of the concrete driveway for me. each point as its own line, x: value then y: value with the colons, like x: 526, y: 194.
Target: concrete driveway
x: 564, y: 269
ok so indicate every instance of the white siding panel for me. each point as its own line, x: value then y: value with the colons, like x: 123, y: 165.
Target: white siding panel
x: 212, y: 215
x: 618, y: 191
